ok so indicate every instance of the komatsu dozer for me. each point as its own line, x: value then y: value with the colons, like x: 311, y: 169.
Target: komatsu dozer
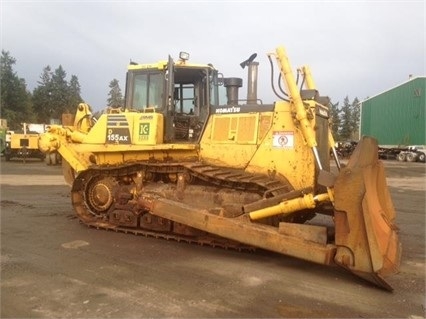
x: 174, y: 163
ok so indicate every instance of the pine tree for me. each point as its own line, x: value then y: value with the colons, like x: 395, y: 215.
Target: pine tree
x: 355, y: 118
x: 60, y: 92
x: 42, y: 96
x: 74, y: 92
x: 15, y: 100
x: 115, y: 97
x: 346, y: 120
x: 335, y: 120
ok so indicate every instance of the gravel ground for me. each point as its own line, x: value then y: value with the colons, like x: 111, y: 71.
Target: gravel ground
x: 53, y: 266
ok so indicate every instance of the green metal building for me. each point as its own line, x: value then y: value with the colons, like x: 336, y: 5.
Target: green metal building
x: 396, y: 117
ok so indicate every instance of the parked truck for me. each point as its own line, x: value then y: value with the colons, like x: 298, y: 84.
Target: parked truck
x: 24, y: 144
x: 412, y: 153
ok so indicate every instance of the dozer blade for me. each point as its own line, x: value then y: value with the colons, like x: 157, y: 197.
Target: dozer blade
x: 68, y: 172
x: 366, y: 236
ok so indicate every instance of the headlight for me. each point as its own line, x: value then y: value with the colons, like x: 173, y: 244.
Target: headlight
x: 184, y: 56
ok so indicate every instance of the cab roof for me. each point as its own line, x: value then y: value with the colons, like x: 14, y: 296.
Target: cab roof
x: 162, y: 65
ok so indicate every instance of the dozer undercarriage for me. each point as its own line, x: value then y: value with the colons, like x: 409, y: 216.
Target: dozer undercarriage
x: 234, y: 176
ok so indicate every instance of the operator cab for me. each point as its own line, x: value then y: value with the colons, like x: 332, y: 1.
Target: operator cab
x: 181, y: 91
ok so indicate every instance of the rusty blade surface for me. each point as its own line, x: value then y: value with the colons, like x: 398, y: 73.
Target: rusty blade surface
x: 366, y: 236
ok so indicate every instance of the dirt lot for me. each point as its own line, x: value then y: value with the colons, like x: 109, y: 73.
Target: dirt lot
x: 52, y: 266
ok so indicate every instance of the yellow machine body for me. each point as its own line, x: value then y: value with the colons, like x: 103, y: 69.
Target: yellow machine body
x: 177, y: 164
x: 260, y: 142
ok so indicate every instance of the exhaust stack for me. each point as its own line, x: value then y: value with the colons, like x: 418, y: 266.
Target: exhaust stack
x: 252, y: 83
x: 252, y: 78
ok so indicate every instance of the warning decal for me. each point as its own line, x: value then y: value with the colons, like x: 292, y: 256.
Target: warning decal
x: 283, y: 139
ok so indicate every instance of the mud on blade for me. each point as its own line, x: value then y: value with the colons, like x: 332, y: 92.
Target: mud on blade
x: 366, y: 234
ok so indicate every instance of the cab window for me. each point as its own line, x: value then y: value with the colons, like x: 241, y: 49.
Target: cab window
x: 147, y: 91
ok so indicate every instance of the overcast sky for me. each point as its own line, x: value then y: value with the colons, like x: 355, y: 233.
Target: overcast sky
x: 354, y: 48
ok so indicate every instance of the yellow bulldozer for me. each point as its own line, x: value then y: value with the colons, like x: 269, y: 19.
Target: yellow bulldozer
x: 175, y: 164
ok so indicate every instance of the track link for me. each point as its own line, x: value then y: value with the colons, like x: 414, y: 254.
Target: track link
x: 212, y: 241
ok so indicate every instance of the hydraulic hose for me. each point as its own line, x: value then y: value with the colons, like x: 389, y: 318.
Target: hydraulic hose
x: 272, y: 81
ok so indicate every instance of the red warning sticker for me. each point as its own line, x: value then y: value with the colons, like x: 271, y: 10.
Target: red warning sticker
x: 283, y: 139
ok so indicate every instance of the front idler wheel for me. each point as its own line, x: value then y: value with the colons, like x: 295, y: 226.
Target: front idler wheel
x: 99, y: 195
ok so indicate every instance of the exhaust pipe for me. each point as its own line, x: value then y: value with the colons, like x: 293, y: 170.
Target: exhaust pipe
x: 252, y: 83
x: 252, y: 78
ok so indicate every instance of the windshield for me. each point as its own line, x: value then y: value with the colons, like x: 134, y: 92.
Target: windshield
x: 147, y: 91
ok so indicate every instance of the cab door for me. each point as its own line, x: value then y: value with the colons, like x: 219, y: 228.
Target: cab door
x: 169, y: 134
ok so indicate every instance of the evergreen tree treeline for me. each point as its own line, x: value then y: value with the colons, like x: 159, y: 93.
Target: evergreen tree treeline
x: 345, y: 120
x: 53, y: 96
x: 15, y: 100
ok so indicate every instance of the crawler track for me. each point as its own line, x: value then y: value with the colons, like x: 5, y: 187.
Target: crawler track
x: 102, y: 193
